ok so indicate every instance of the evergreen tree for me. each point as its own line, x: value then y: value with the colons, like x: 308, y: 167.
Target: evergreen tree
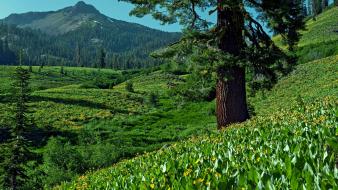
x: 236, y: 43
x: 102, y: 58
x: 16, y: 149
x: 316, y: 8
x: 292, y: 23
x: 325, y: 3
x: 129, y: 86
x: 20, y: 57
x: 310, y: 7
x: 62, y: 71
x: 6, y: 44
x: 1, y: 51
x: 40, y: 68
x: 1, y: 47
x: 305, y: 10
x: 30, y: 69
x: 153, y: 99
x: 78, y: 56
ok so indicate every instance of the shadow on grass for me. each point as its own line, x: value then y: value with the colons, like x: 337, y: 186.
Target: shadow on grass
x: 39, y: 136
x: 82, y: 103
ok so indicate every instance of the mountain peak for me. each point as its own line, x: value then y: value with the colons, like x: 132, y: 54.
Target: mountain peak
x: 82, y: 7
x: 81, y: 3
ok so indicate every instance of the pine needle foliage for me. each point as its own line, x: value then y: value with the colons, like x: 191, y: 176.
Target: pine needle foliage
x: 15, y: 151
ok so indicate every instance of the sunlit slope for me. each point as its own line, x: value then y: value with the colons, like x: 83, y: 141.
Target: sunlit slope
x: 287, y: 148
x: 64, y: 100
x: 308, y: 81
x: 319, y: 39
x: 323, y: 29
x: 125, y: 119
x: 51, y: 77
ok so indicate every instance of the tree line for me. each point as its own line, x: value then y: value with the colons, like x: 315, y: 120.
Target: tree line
x: 83, y: 47
x: 314, y: 7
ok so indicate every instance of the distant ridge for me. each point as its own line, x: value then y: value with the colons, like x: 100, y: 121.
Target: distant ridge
x: 64, y: 20
x: 127, y: 45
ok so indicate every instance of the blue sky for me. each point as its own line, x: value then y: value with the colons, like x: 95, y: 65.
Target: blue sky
x: 111, y: 8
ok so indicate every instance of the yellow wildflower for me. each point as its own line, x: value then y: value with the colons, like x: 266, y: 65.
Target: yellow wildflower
x: 187, y: 172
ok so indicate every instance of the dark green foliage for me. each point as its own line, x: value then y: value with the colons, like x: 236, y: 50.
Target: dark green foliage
x: 62, y: 71
x: 102, y: 83
x: 15, y: 150
x: 101, y: 58
x: 198, y: 86
x: 153, y: 99
x: 61, y: 161
x: 78, y: 59
x: 7, y: 56
x: 129, y: 86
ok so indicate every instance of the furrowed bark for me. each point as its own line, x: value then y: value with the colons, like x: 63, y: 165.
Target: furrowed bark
x: 231, y: 105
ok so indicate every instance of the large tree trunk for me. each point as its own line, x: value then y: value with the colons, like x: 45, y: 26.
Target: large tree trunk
x: 230, y: 91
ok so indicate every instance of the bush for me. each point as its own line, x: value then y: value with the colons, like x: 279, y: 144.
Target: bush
x: 99, y: 155
x: 153, y: 99
x: 61, y: 161
x: 129, y: 86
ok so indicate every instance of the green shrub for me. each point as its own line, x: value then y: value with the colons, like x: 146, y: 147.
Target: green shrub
x: 153, y: 99
x: 61, y: 161
x: 99, y: 155
x: 129, y: 86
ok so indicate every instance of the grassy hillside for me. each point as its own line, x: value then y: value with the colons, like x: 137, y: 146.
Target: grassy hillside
x: 308, y: 81
x: 290, y: 144
x: 257, y: 154
x: 58, y: 98
x: 323, y: 29
x: 91, y: 110
x: 72, y: 102
x: 288, y: 148
x: 320, y: 39
x: 51, y: 77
